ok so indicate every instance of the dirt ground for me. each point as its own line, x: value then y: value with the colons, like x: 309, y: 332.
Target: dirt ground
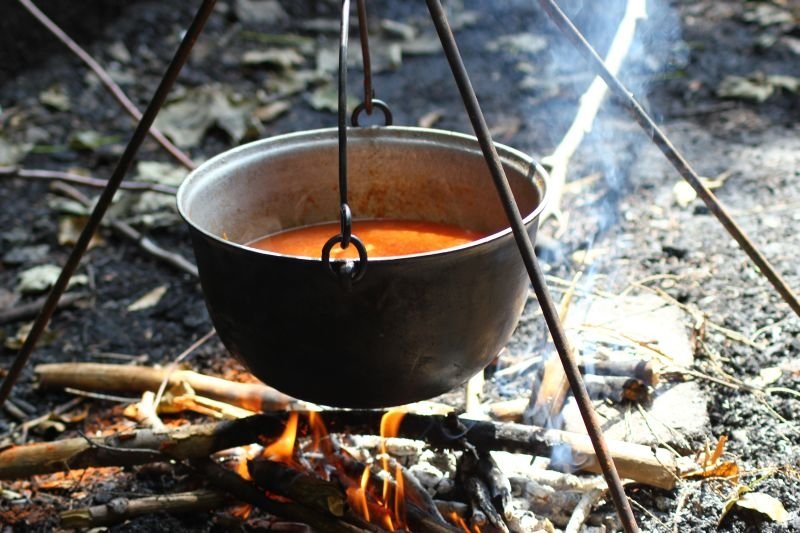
x: 741, y: 133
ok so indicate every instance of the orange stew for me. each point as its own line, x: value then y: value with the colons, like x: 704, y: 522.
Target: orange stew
x: 382, y: 238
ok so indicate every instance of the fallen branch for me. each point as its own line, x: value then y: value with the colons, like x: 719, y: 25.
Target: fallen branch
x: 121, y: 509
x: 128, y: 231
x: 31, y: 309
x: 106, y: 80
x: 583, y: 510
x: 653, y: 466
x: 77, y: 179
x: 138, y: 379
x: 590, y: 103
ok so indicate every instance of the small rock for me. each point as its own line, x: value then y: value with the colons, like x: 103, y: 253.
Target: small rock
x: 740, y: 435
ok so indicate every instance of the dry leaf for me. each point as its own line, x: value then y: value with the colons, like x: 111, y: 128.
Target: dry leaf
x: 55, y: 97
x: 766, y: 376
x: 263, y: 11
x: 756, y: 87
x: 91, y: 140
x: 282, y: 58
x: 12, y: 153
x: 69, y: 229
x: 158, y: 172
x: 764, y: 503
x: 40, y: 278
x: 149, y: 299
x: 767, y: 14
x: 519, y: 43
x: 15, y: 342
x: 186, y: 120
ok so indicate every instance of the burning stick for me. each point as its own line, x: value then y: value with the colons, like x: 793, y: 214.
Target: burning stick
x: 121, y: 509
x: 470, y: 474
x: 138, y: 379
x: 653, y: 466
x: 308, y: 490
x: 233, y: 484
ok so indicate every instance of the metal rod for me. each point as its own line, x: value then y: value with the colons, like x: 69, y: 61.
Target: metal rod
x: 531, y: 264
x: 681, y: 165
x: 342, y: 124
x: 364, y: 35
x: 115, y: 90
x: 123, y: 165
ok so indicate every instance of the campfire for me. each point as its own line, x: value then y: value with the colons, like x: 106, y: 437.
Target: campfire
x: 252, y: 454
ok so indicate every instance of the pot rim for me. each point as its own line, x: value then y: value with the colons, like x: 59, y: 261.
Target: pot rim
x: 229, y: 156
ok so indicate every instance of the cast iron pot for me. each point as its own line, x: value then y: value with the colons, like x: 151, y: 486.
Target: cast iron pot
x: 414, y: 326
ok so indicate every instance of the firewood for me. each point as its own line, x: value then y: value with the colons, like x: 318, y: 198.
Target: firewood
x: 121, y: 509
x: 548, y: 393
x: 653, y: 466
x: 472, y: 483
x: 582, y: 510
x: 640, y: 369
x: 138, y: 379
x: 616, y: 388
x: 233, y: 484
x: 306, y: 489
x: 422, y: 512
x: 496, y: 481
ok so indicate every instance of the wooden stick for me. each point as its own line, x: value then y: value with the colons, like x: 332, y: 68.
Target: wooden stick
x: 31, y: 309
x: 107, y: 81
x: 583, y: 510
x: 138, y: 379
x: 233, y: 484
x: 305, y: 489
x: 121, y: 509
x: 87, y: 181
x: 590, y: 103
x: 653, y: 466
x: 129, y: 232
x: 616, y: 388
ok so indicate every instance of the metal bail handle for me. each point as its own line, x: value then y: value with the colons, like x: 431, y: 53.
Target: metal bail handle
x: 347, y: 272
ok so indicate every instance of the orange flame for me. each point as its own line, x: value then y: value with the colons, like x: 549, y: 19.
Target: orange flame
x: 390, y: 427
x: 399, y: 497
x: 319, y: 435
x: 241, y: 511
x: 283, y: 448
x: 357, y: 496
x: 457, y: 520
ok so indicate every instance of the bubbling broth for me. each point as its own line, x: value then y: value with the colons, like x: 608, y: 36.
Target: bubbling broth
x: 381, y: 238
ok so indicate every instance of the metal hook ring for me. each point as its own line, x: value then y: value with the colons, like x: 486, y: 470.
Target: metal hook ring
x: 380, y: 104
x: 346, y: 225
x: 360, y: 267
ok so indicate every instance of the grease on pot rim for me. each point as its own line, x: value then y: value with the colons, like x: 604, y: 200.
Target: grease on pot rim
x: 381, y: 237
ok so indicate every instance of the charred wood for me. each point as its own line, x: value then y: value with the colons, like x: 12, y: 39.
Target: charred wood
x: 656, y: 467
x: 233, y: 484
x: 121, y: 509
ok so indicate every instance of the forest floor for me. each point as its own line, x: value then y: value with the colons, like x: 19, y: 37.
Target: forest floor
x: 722, y: 77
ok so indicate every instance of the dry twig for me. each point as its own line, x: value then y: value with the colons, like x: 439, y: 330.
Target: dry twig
x: 106, y: 80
